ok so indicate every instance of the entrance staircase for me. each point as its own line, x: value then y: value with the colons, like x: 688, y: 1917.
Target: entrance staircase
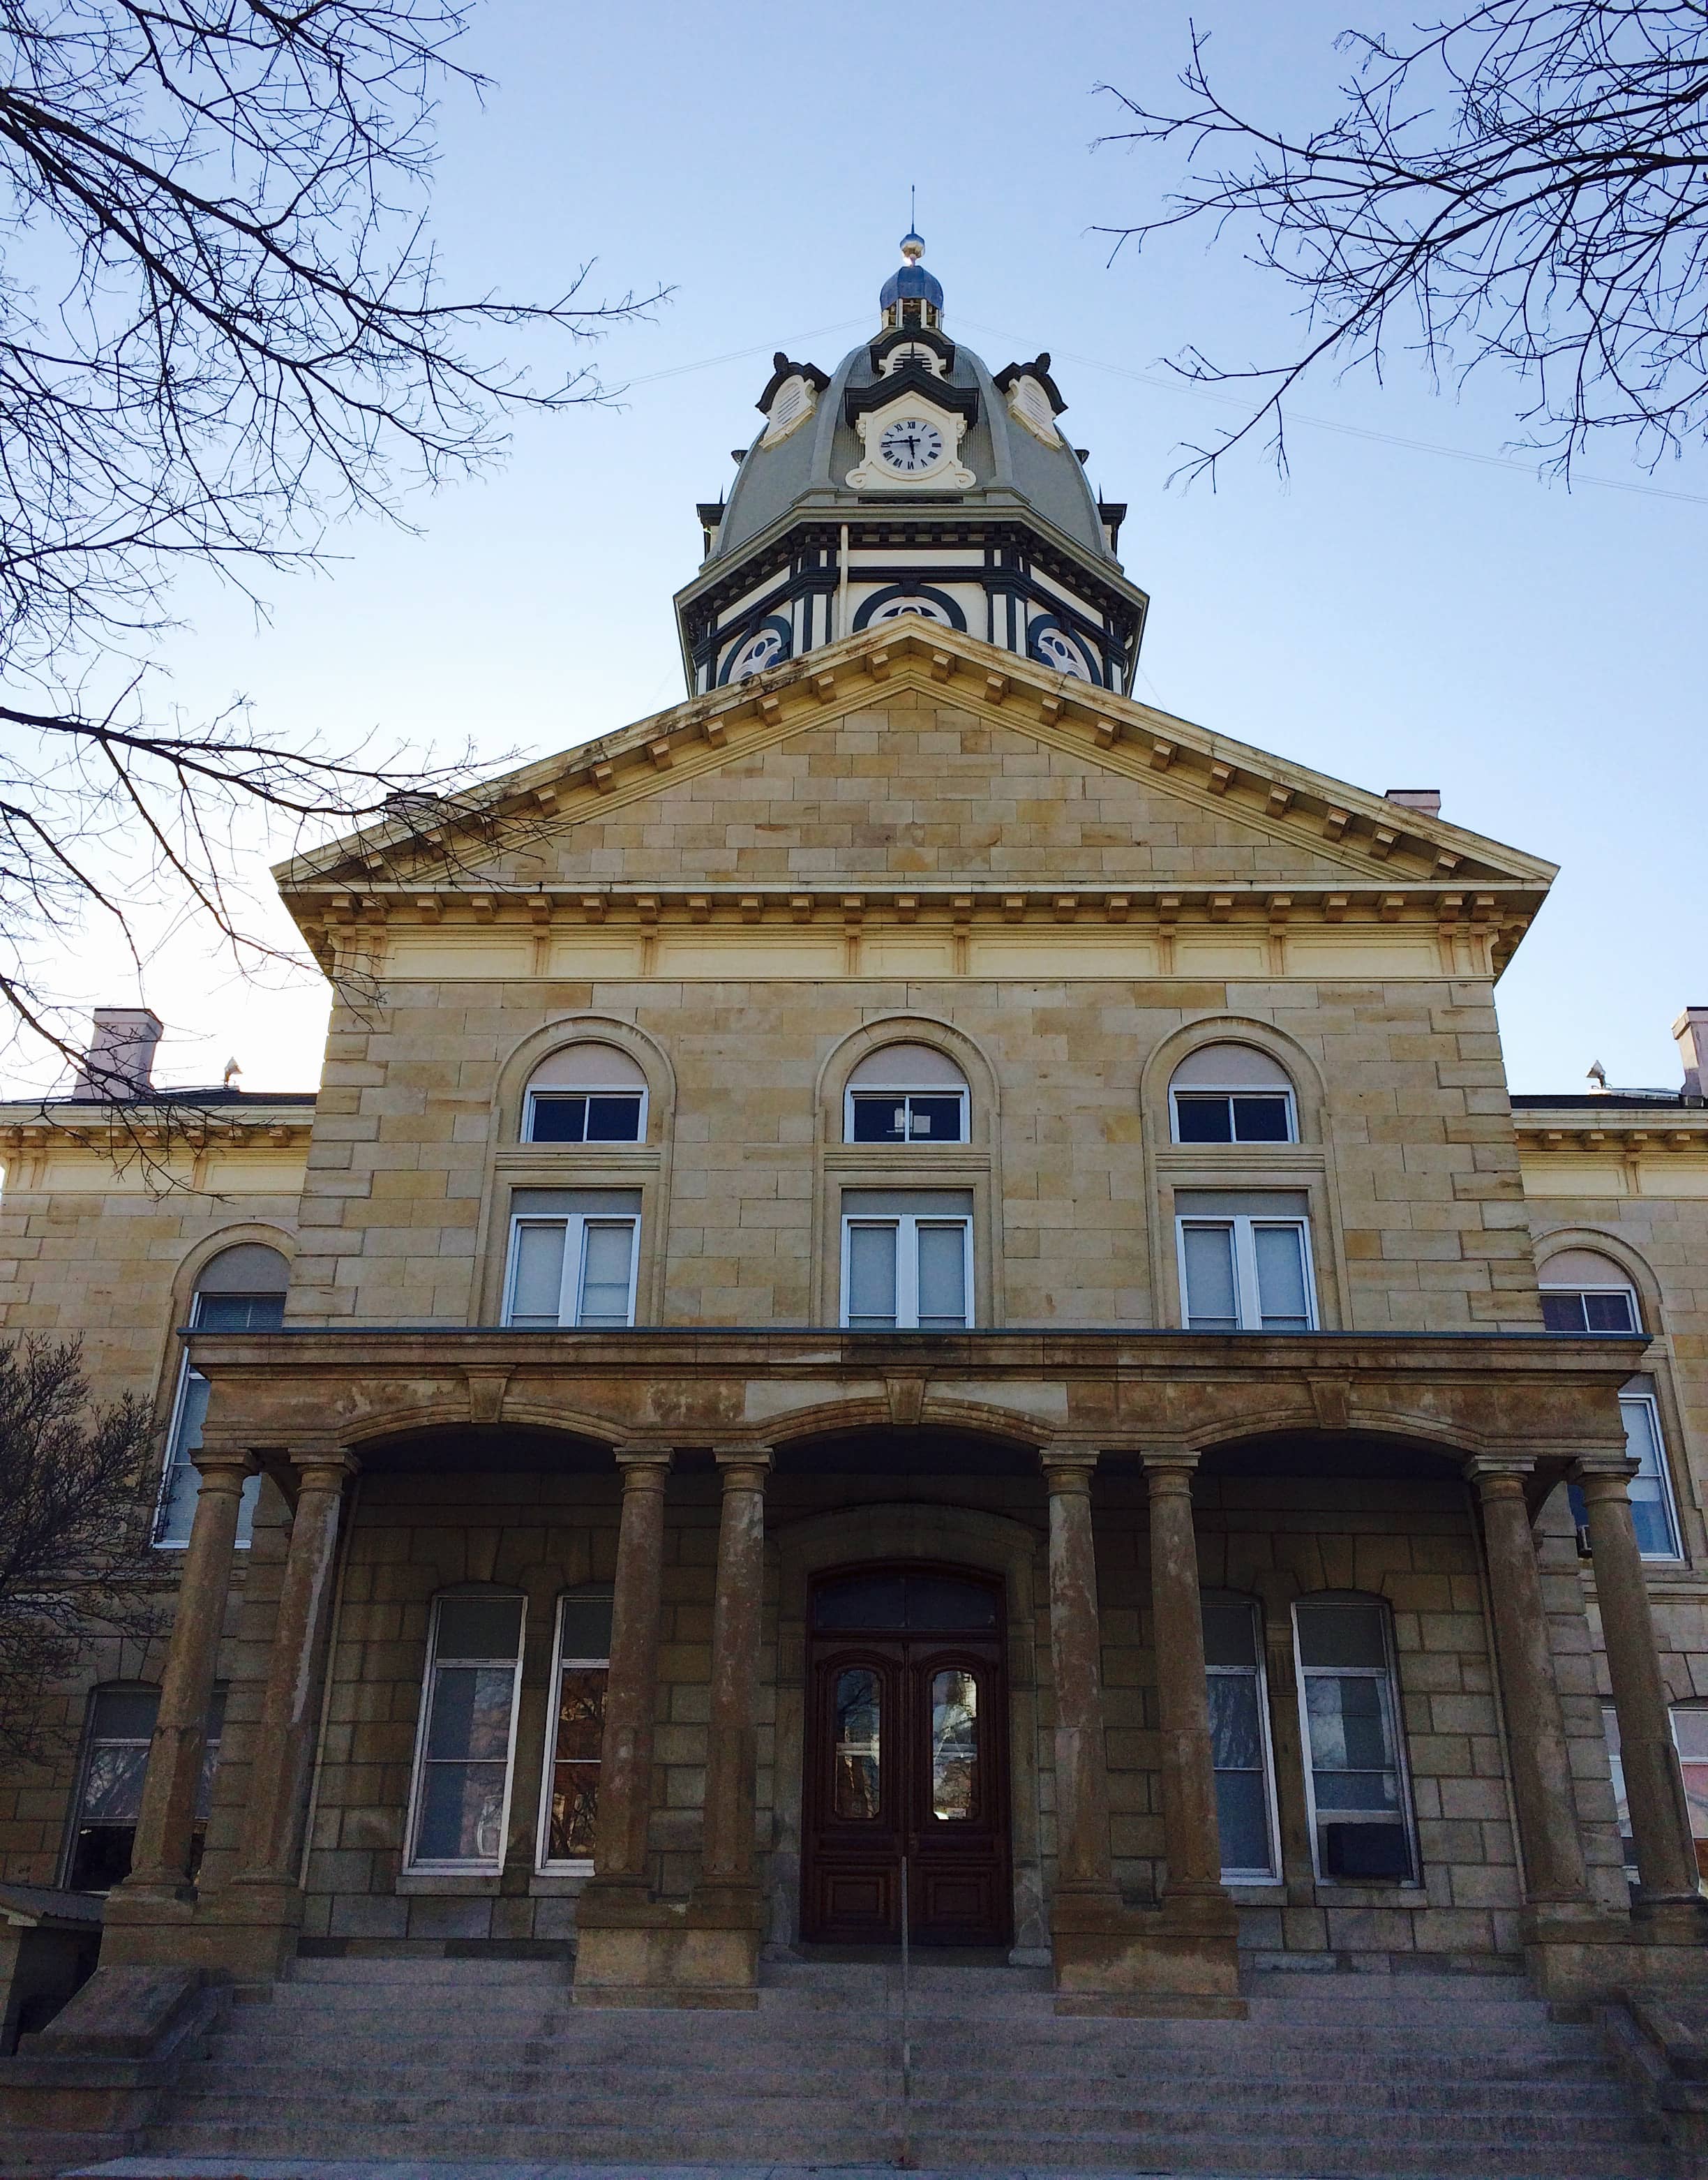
x: 1347, y: 2075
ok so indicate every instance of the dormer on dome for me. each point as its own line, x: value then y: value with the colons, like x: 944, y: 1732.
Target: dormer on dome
x: 1035, y: 402
x: 911, y: 296
x: 790, y: 398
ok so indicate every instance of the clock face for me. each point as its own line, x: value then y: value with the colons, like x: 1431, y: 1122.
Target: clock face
x: 909, y: 445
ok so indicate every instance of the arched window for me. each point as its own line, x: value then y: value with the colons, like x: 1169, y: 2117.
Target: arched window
x: 459, y: 1809
x: 1348, y: 1695
x: 585, y: 1093
x: 906, y: 1093
x: 1583, y: 1291
x: 1231, y: 1093
x: 240, y: 1290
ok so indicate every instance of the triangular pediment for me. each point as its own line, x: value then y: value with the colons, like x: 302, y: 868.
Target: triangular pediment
x: 921, y: 763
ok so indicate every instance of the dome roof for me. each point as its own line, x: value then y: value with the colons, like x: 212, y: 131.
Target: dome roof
x: 910, y: 283
x: 804, y: 473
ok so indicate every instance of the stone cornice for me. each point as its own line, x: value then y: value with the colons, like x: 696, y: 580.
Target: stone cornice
x: 1379, y: 843
x: 1666, y: 1128
x: 64, y: 1127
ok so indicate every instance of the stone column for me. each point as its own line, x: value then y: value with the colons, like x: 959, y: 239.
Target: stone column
x: 732, y: 1753
x: 166, y: 1824
x: 1190, y: 1823
x: 1084, y: 1866
x: 1654, y: 1790
x: 1542, y: 1789
x: 631, y: 1693
x: 273, y: 1831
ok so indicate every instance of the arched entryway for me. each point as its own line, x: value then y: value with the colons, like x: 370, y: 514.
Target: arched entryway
x: 905, y: 1795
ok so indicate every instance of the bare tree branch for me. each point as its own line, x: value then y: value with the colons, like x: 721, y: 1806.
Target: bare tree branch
x: 1525, y: 185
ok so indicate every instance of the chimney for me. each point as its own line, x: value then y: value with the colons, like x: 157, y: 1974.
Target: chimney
x: 1691, y: 1031
x: 1425, y: 799
x: 120, y: 1059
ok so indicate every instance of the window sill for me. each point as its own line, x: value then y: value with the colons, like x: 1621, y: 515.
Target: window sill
x: 558, y: 1884
x: 413, y: 1884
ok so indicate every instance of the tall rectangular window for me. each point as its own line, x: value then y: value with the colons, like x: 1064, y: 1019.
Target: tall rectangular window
x: 1245, y: 1807
x: 1654, y: 1514
x: 573, y: 1258
x: 467, y: 1734
x: 1690, y: 1723
x: 179, y: 1483
x: 1245, y: 1261
x: 1359, y: 1808
x: 110, y: 1773
x: 581, y: 1666
x: 907, y: 1260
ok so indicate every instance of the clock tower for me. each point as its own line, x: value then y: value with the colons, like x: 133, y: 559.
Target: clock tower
x: 911, y: 481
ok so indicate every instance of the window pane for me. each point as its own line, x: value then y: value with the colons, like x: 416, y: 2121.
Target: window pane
x: 1261, y: 1119
x: 1203, y: 1119
x: 1281, y: 1291
x: 112, y: 1783
x: 855, y: 1792
x: 871, y: 1276
x: 954, y: 1746
x: 177, y: 1504
x: 615, y: 1119
x: 479, y: 1627
x: 534, y: 1296
x: 1242, y: 1816
x: 1563, y: 1313
x: 1350, y: 1758
x: 1651, y: 1510
x: 1690, y: 1735
x: 575, y: 1772
x: 1230, y: 1635
x: 1236, y: 1732
x: 1341, y: 1634
x: 935, y: 1120
x: 236, y: 1312
x: 607, y: 1251
x: 462, y: 1809
x: 471, y: 1712
x: 943, y: 1277
x: 1609, y: 1313
x: 584, y: 1627
x: 124, y: 1714
x: 558, y: 1119
x: 1210, y: 1301
x: 101, y: 1856
x: 879, y: 1117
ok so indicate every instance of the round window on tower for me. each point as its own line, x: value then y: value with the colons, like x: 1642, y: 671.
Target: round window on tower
x: 768, y: 645
x: 1057, y: 647
x: 900, y: 600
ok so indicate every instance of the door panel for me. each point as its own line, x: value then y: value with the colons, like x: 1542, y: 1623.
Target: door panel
x: 906, y: 1757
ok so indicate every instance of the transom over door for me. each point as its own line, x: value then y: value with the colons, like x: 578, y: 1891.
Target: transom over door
x: 906, y: 1755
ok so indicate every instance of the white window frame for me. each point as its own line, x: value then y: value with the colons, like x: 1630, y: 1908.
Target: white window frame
x: 175, y: 1460
x: 571, y: 1865
x: 575, y: 1224
x: 1668, y: 1499
x: 1260, y: 1674
x: 905, y: 1091
x: 1388, y: 1674
x: 429, y: 1865
x: 1247, y: 1301
x: 1622, y: 1287
x: 908, y: 1261
x: 592, y: 1090
x: 1233, y: 1090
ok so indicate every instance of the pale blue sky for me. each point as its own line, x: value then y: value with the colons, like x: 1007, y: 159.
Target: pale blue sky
x: 1393, y: 617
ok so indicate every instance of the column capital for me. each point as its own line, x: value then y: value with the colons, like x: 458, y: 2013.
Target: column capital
x: 326, y: 1454
x: 732, y: 1458
x: 1487, y: 1471
x: 1600, y: 1475
x: 226, y: 1460
x: 644, y: 1463
x: 1067, y: 1467
x: 1180, y: 1461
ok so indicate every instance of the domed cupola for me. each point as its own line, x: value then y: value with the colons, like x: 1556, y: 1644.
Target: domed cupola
x: 910, y: 481
x: 912, y: 296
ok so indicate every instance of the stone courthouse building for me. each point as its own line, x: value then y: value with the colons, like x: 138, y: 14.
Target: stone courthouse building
x: 913, y: 1288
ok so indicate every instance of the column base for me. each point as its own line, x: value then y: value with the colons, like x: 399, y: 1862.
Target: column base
x: 1179, y: 1960
x: 245, y: 1932
x: 1575, y: 1952
x: 632, y: 1951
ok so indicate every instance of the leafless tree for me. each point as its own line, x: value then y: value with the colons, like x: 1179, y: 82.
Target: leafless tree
x: 222, y: 331
x: 1523, y: 185
x: 76, y: 1497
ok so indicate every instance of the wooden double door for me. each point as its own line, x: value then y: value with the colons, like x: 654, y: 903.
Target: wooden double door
x: 906, y: 1758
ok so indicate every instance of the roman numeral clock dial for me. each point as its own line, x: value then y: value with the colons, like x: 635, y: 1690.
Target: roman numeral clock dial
x: 910, y: 444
